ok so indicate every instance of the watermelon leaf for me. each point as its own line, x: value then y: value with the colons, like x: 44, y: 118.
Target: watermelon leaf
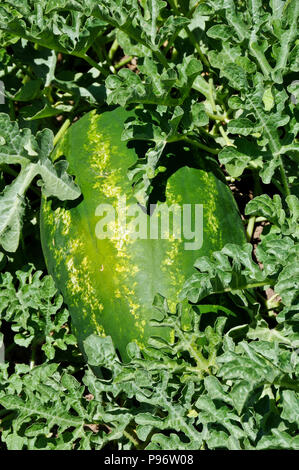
x: 233, y: 269
x: 19, y: 146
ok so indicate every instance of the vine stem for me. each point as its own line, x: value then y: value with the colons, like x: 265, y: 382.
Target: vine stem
x: 131, y: 438
x: 214, y: 108
x: 247, y: 286
x: 197, y: 47
x: 94, y: 64
x: 224, y: 135
x: 250, y: 227
x: 273, y: 302
x: 211, y: 96
x: 195, y: 143
x: 123, y: 62
x: 113, y: 50
x: 209, y: 134
x: 12, y: 113
x: 216, y: 117
x: 61, y: 131
x: 284, y: 178
x: 162, y: 59
x: 292, y: 386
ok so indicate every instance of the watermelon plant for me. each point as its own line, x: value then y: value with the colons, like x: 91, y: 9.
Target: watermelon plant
x: 149, y: 224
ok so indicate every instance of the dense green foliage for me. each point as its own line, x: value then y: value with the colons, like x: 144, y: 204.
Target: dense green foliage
x: 218, y: 76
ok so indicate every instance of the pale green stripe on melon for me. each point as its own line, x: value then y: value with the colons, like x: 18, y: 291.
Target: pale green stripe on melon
x: 109, y: 182
x: 210, y: 219
x: 78, y: 283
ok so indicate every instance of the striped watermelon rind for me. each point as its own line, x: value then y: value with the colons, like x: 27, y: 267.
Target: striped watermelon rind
x: 109, y: 284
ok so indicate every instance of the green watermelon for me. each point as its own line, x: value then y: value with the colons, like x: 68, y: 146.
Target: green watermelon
x: 107, y: 274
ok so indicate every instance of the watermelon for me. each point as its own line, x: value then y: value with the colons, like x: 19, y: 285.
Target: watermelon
x: 109, y: 272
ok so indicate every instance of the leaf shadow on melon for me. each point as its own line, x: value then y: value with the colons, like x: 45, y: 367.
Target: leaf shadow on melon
x: 175, y: 156
x: 67, y: 204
